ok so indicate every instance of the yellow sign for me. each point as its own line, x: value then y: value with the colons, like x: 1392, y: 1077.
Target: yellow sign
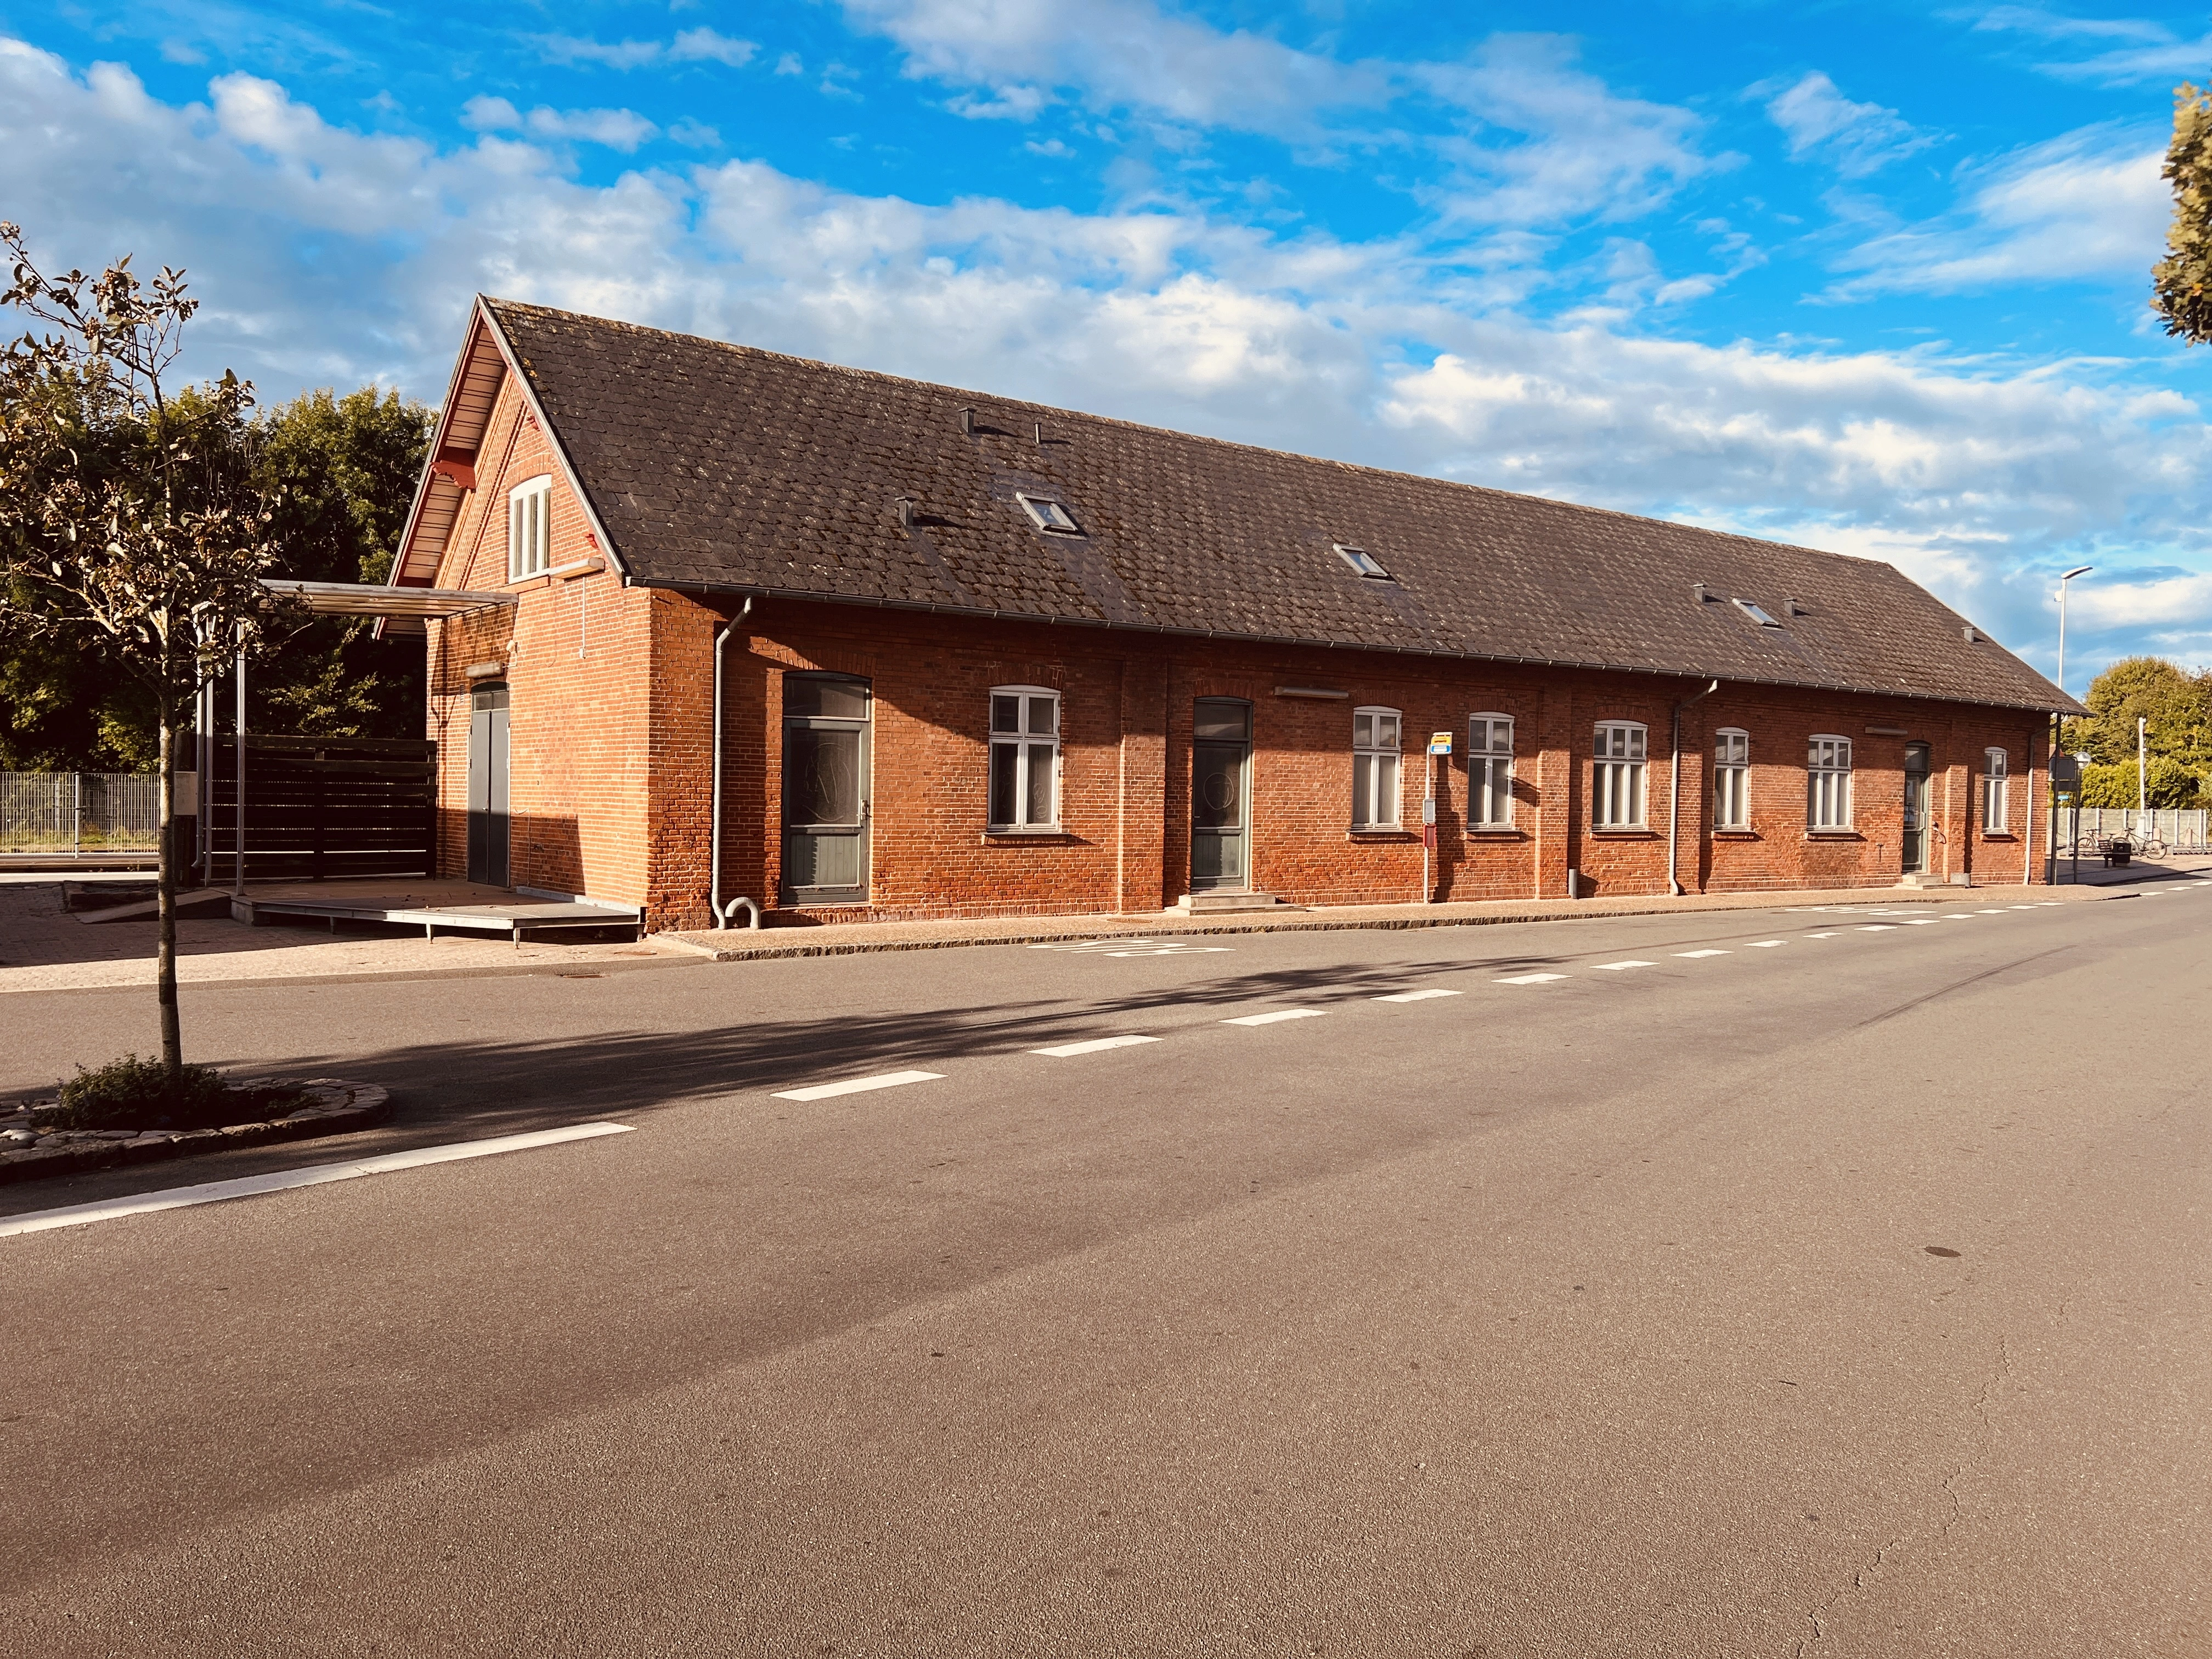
x: 1440, y: 742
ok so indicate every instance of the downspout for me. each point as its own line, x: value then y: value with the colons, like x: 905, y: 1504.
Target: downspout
x: 714, y: 857
x: 1675, y: 792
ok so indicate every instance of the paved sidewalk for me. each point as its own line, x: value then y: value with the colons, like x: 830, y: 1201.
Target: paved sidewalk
x: 44, y: 948
x: 741, y: 945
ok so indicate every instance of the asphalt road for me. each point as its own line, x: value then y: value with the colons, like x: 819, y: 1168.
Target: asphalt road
x: 1846, y: 1295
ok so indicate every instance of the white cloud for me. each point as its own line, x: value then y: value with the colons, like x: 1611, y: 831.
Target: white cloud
x: 698, y: 46
x: 695, y: 135
x: 614, y: 54
x: 2133, y: 50
x: 2089, y: 204
x: 704, y: 45
x: 617, y: 129
x: 330, y: 256
x: 1118, y: 53
x: 1541, y: 141
x: 1856, y: 139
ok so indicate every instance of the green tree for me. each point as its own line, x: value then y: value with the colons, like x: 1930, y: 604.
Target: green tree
x: 133, y: 528
x: 2181, y: 283
x: 2173, y: 703
x: 340, y: 473
x: 2170, y: 784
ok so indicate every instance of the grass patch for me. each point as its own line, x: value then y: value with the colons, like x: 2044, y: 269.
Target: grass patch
x: 132, y: 1093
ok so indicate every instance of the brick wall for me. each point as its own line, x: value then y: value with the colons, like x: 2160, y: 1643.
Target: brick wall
x: 612, y: 717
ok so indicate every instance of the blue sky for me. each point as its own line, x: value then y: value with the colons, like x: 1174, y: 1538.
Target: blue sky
x: 1871, y: 277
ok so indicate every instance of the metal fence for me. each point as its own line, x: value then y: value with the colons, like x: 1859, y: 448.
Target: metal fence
x: 2086, y: 827
x: 73, y: 814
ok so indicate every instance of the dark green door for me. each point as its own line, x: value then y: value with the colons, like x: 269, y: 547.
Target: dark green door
x: 1220, y: 794
x: 1916, y: 809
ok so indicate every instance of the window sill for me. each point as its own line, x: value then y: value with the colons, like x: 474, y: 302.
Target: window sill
x: 1999, y: 834
x: 1833, y: 834
x: 1625, y: 835
x: 1040, y: 834
x: 576, y: 568
x: 1382, y: 832
x: 1736, y: 835
x: 1495, y: 832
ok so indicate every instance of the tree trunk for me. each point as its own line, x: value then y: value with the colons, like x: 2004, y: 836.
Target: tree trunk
x: 165, y: 880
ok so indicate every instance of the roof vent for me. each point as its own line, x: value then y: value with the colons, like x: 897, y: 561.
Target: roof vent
x: 906, y: 511
x: 1756, y: 613
x: 1974, y: 635
x: 1365, y: 564
x: 967, y: 423
x: 1049, y: 515
x: 1797, y: 607
x: 1698, y: 592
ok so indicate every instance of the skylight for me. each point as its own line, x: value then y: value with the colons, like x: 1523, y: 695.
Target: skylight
x: 1050, y: 515
x: 1756, y: 613
x: 1366, y: 564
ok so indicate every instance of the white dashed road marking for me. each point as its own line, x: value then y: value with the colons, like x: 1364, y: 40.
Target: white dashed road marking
x: 214, y: 1192
x: 1280, y: 1013
x: 1612, y: 967
x: 1878, y: 927
x: 1095, y: 1046
x: 1530, y: 979
x: 1701, y: 953
x: 1919, y: 921
x: 1415, y: 996
x: 1766, y: 944
x: 858, y: 1085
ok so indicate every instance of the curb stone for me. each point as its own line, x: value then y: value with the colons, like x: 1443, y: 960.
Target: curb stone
x: 336, y: 1106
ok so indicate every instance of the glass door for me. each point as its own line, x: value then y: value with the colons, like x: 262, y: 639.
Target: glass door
x: 825, y: 789
x: 488, y: 813
x: 1220, y: 780
x: 1916, y: 809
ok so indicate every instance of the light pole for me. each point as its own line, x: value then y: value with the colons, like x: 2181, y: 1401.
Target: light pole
x: 2050, y: 841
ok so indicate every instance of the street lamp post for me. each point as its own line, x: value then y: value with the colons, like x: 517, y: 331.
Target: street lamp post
x: 2050, y: 841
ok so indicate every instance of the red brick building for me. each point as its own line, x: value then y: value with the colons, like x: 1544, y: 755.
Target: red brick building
x: 972, y: 657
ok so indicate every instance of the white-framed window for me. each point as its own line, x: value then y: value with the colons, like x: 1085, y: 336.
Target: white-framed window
x: 1617, y: 780
x: 1731, y: 778
x: 529, y: 529
x: 1024, y: 757
x: 1049, y: 515
x: 1994, y: 762
x: 1375, y: 763
x: 1490, y: 771
x: 1828, y: 783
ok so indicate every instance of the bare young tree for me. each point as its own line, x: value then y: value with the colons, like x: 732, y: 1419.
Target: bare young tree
x: 130, y: 523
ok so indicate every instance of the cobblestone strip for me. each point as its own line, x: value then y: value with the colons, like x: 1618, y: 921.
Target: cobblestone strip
x: 334, y: 1107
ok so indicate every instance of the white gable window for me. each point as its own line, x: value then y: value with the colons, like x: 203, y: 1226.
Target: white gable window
x: 530, y: 529
x: 1994, y: 819
x: 1828, y: 783
x: 1617, y: 780
x: 1731, y: 778
x: 1024, y: 757
x: 1375, y: 768
x: 1490, y: 772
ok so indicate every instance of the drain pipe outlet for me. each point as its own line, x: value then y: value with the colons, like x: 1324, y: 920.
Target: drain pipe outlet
x: 714, y: 837
x: 1675, y: 792
x: 722, y: 916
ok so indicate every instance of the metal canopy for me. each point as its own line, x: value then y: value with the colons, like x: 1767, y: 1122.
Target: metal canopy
x: 374, y: 599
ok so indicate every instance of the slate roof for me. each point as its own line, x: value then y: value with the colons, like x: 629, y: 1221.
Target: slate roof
x: 722, y: 466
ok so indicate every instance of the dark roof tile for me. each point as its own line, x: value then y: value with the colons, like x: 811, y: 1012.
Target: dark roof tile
x: 721, y: 465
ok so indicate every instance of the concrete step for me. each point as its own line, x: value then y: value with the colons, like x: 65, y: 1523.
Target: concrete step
x: 1229, y: 904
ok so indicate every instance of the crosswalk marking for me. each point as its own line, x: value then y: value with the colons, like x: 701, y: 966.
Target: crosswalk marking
x: 856, y: 1085
x: 1094, y: 1046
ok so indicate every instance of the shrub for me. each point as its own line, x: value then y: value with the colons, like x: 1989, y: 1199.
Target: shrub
x: 132, y: 1093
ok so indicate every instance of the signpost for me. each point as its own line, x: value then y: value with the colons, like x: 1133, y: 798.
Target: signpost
x: 1440, y: 742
